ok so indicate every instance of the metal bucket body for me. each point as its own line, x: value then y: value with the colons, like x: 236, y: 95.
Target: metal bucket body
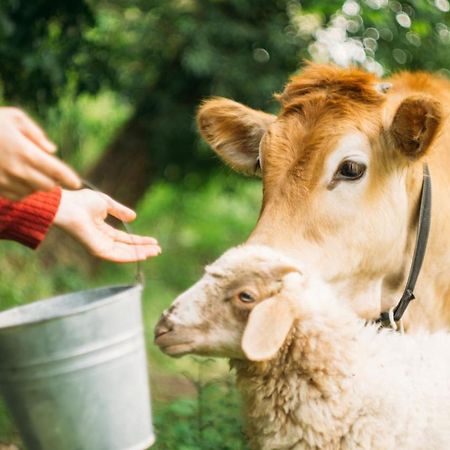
x: 73, y: 371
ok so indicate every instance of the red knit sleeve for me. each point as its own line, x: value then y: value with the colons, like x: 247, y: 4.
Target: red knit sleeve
x: 28, y: 220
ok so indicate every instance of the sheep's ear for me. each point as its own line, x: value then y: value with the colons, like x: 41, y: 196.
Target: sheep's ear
x: 234, y: 131
x: 267, y: 328
x: 415, y: 125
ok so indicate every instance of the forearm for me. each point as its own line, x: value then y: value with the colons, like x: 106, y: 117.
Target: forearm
x: 27, y: 221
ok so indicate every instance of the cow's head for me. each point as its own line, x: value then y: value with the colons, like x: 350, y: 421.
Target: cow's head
x: 341, y: 175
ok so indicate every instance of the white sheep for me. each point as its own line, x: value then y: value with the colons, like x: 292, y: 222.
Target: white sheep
x: 312, y: 374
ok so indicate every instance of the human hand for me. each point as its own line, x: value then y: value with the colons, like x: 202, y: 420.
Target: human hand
x: 82, y: 214
x: 26, y: 160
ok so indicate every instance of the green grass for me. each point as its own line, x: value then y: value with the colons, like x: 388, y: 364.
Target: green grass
x: 210, y: 420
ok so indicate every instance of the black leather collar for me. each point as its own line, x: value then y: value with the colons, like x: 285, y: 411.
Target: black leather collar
x: 423, y: 230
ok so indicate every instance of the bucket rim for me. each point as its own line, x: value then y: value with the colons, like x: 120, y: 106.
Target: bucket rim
x: 145, y: 444
x: 62, y: 313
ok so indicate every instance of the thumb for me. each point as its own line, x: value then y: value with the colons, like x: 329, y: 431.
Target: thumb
x: 119, y: 211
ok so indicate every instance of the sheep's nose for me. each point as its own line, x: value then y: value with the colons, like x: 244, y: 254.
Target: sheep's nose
x: 162, y: 327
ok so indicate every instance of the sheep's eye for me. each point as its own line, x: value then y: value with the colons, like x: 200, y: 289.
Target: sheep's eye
x: 246, y: 297
x: 350, y: 170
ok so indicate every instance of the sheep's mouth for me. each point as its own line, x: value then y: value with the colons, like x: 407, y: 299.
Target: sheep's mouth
x: 171, y: 344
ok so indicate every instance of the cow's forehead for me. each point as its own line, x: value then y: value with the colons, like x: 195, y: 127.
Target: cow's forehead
x: 319, y: 107
x: 300, y: 138
x: 334, y: 82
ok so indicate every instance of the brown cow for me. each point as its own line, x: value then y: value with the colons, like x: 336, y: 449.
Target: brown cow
x: 342, y: 172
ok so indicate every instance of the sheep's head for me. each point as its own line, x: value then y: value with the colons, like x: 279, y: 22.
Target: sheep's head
x: 243, y: 307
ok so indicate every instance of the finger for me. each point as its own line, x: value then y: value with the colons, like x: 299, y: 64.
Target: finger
x: 118, y: 210
x: 124, y: 253
x: 38, y: 182
x: 127, y: 238
x: 25, y: 182
x: 11, y: 196
x: 33, y: 132
x: 15, y: 194
x: 53, y: 168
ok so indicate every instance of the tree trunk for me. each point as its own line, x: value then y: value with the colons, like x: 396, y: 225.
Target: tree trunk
x: 124, y: 171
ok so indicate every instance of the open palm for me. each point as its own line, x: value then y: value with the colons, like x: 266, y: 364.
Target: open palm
x: 83, y: 213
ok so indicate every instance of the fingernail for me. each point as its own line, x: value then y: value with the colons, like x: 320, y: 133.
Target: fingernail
x: 51, y: 147
x: 153, y: 252
x: 77, y: 181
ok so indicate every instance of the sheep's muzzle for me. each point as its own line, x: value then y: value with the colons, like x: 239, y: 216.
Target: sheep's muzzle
x: 170, y: 340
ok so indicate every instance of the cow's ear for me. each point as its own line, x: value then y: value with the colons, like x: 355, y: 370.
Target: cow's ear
x: 415, y: 125
x: 234, y: 131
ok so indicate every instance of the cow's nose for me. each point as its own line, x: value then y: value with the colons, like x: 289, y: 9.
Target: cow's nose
x: 162, y: 327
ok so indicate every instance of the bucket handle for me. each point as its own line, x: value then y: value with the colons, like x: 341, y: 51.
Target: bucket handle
x: 139, y: 276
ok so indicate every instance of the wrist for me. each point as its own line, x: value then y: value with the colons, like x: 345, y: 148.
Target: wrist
x: 64, y: 216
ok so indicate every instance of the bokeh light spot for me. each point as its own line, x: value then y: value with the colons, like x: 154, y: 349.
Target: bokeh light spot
x: 261, y: 55
x: 351, y: 8
x: 403, y: 19
x: 442, y: 5
x: 399, y: 55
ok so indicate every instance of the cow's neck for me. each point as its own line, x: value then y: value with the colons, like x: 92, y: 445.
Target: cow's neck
x: 431, y: 307
x: 420, y: 221
x: 365, y: 296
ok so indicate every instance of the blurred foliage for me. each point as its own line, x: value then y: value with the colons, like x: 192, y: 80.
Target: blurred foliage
x: 233, y: 48
x: 211, y: 420
x: 84, y: 124
x: 381, y: 35
x: 161, y: 57
x: 42, y: 46
x: 170, y: 55
x: 237, y: 48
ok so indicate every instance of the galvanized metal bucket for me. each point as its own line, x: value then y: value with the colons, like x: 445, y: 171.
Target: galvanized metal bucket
x: 73, y: 371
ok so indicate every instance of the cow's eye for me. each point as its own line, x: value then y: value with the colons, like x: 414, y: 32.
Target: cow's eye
x: 245, y: 297
x: 350, y: 170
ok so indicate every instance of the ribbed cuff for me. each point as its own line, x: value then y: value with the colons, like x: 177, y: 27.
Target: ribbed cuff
x: 27, y: 221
